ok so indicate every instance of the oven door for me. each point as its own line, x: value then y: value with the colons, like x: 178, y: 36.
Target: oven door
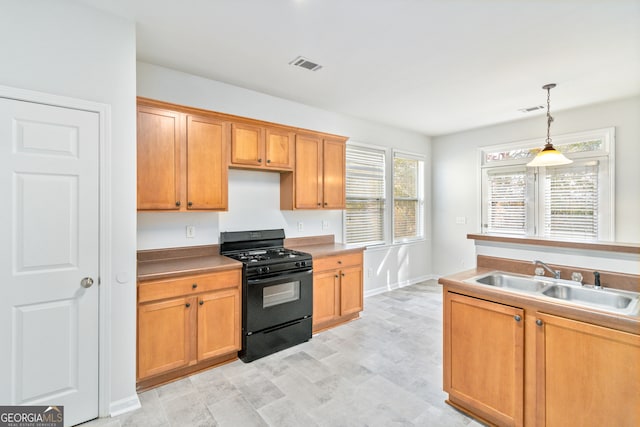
x: 276, y: 300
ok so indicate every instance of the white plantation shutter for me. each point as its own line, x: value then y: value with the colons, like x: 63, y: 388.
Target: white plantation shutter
x: 571, y: 201
x: 506, y: 202
x: 407, y: 197
x: 365, y: 195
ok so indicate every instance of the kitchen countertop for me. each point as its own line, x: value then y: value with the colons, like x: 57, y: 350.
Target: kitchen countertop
x: 455, y: 283
x: 158, y: 264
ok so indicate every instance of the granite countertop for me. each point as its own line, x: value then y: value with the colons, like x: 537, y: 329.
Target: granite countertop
x: 456, y: 283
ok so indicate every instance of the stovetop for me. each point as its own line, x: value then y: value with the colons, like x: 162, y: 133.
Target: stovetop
x: 268, y: 255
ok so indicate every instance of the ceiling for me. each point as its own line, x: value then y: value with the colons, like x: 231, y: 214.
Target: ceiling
x: 431, y: 66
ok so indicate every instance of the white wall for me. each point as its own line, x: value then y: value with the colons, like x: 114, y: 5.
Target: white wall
x: 68, y: 49
x: 456, y: 169
x: 254, y: 197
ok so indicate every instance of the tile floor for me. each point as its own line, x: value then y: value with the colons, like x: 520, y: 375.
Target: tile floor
x: 384, y: 369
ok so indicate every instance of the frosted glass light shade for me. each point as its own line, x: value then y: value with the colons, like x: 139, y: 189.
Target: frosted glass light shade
x: 549, y: 156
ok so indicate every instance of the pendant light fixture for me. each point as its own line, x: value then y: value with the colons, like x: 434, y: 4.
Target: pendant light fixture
x: 549, y: 156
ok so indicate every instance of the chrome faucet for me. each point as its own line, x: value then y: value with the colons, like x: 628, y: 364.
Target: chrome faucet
x: 556, y: 273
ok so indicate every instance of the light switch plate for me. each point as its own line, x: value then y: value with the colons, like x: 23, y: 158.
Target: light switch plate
x: 191, y: 231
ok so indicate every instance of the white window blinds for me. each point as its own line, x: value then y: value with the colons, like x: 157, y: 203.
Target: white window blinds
x: 407, y: 197
x: 365, y: 195
x: 506, y: 201
x: 571, y: 200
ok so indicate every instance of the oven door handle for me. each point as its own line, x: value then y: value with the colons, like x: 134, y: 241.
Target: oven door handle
x: 278, y: 277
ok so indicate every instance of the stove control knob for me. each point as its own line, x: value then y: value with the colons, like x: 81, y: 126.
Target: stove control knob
x: 301, y: 263
x: 263, y: 270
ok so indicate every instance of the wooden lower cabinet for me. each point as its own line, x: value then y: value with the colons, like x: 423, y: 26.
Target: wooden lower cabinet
x: 573, y: 373
x: 337, y: 289
x: 164, y: 331
x: 587, y: 375
x: 187, y: 324
x: 484, y: 358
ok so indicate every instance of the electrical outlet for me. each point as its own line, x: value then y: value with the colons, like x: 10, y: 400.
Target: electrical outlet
x: 300, y: 226
x: 325, y: 224
x: 461, y: 220
x: 191, y: 231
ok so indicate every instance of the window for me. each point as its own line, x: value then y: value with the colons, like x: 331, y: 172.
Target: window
x: 570, y: 202
x: 365, y: 188
x: 408, y: 197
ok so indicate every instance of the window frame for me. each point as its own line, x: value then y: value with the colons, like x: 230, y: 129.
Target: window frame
x: 605, y: 155
x: 420, y: 199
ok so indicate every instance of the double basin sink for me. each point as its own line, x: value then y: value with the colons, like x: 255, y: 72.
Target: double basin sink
x: 615, y: 301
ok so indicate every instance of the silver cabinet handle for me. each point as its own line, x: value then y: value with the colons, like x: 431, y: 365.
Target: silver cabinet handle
x: 87, y: 282
x: 539, y: 322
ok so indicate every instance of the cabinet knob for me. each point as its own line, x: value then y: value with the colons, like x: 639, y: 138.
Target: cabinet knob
x: 517, y: 317
x: 189, y: 203
x: 268, y: 161
x: 339, y: 261
x: 336, y: 276
x: 539, y: 322
x: 201, y: 302
x: 178, y: 203
x: 325, y: 203
x: 259, y: 160
x: 319, y: 204
x: 187, y: 305
x: 195, y: 285
x: 342, y: 274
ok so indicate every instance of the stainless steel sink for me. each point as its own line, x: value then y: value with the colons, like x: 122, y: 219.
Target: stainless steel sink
x: 594, y: 297
x: 612, y: 300
x: 521, y: 283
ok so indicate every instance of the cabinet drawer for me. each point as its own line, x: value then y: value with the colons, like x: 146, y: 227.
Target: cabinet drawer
x: 337, y: 261
x: 189, y: 285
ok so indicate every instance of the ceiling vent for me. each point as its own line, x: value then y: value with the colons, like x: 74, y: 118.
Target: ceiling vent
x: 303, y: 62
x: 531, y: 109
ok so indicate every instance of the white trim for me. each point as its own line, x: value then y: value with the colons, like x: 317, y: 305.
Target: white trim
x: 392, y: 286
x: 122, y: 406
x: 104, y: 232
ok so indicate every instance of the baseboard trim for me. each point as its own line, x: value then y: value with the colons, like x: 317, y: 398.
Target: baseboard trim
x: 398, y: 285
x: 121, y: 406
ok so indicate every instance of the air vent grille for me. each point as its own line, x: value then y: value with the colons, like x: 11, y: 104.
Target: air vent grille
x: 303, y: 62
x: 531, y: 109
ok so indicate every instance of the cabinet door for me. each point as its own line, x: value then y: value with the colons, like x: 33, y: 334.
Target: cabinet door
x: 484, y: 357
x: 587, y: 375
x: 279, y: 147
x: 158, y: 145
x: 164, y: 335
x: 206, y: 163
x: 308, y: 173
x: 247, y: 145
x: 325, y: 295
x: 334, y: 175
x: 219, y: 323
x: 350, y: 290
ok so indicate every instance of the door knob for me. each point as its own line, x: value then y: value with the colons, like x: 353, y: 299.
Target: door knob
x: 87, y: 282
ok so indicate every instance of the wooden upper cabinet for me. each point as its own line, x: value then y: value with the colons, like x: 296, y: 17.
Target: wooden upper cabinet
x: 318, y: 181
x: 261, y: 147
x: 182, y: 159
x: 247, y: 145
x: 308, y: 174
x: 158, y: 159
x: 334, y: 171
x: 279, y: 149
x: 206, y: 164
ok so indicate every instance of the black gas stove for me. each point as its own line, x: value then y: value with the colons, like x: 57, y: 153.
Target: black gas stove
x: 277, y: 291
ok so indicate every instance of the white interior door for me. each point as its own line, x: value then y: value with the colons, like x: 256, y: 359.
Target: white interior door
x: 49, y: 232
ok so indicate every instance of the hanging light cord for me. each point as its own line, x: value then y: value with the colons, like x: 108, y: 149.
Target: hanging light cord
x: 549, y: 118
